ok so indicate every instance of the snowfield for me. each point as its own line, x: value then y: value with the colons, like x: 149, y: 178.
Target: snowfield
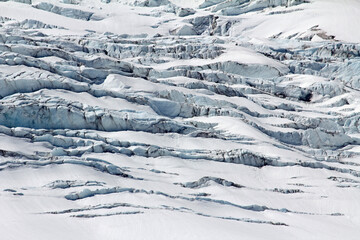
x: 179, y: 119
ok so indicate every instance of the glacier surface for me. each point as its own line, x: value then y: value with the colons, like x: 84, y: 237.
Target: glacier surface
x: 179, y: 119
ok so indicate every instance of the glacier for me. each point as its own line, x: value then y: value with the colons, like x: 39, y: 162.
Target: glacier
x: 179, y: 119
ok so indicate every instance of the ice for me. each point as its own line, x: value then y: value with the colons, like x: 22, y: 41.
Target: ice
x: 184, y: 30
x: 68, y: 12
x: 179, y: 119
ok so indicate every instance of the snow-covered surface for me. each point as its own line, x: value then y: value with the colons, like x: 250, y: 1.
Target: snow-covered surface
x: 180, y: 119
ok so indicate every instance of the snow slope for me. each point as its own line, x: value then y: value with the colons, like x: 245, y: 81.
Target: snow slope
x: 157, y: 119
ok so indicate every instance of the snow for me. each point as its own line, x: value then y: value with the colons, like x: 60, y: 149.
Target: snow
x: 334, y: 17
x: 180, y: 119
